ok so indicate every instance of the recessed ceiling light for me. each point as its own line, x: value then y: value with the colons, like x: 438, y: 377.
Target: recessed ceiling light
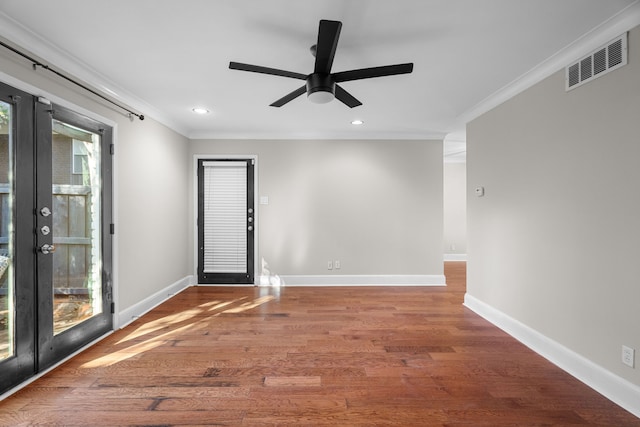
x: 357, y: 122
x: 200, y: 110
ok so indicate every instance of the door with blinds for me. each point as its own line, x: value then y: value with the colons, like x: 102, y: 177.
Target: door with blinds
x: 226, y: 221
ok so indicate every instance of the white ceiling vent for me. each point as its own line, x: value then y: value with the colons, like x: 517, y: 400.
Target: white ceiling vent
x: 598, y: 63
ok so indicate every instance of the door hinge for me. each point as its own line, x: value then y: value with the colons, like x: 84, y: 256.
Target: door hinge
x: 112, y: 228
x: 113, y: 307
x: 112, y: 149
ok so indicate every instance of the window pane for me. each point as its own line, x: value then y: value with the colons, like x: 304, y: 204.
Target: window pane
x: 7, y: 308
x: 77, y: 266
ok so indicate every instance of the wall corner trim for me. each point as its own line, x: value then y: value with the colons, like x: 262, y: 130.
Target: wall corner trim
x: 611, y: 386
x: 130, y: 314
x: 360, y: 280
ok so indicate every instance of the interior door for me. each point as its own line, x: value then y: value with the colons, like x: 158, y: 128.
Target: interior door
x: 73, y: 240
x: 226, y: 221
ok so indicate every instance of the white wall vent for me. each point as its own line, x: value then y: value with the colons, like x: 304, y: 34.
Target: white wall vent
x: 607, y: 58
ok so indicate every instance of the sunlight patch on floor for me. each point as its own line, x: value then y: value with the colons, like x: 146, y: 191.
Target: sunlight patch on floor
x: 136, y: 349
x: 189, y: 320
x: 158, y: 324
x: 249, y: 305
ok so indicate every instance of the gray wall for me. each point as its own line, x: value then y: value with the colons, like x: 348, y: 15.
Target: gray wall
x: 152, y: 229
x: 151, y: 184
x: 374, y: 205
x: 554, y: 243
x: 455, y: 208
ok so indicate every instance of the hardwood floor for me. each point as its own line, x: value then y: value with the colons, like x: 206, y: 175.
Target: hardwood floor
x: 350, y: 356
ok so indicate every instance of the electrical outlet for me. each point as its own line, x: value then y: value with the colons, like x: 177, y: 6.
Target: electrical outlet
x: 336, y: 264
x: 329, y: 265
x: 628, y: 354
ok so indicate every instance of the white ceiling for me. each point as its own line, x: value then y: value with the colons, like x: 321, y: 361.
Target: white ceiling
x: 164, y: 57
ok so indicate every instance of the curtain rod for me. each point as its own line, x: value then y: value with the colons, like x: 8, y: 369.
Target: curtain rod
x: 35, y: 63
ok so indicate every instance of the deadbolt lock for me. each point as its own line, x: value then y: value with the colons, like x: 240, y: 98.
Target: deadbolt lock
x: 47, y: 249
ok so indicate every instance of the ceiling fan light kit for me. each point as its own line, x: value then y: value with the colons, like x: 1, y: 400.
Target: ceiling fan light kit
x: 321, y: 86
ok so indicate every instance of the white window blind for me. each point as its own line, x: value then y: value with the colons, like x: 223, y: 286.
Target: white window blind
x: 225, y: 217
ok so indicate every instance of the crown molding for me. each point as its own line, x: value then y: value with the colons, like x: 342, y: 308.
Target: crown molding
x: 63, y: 61
x: 284, y: 135
x: 624, y: 21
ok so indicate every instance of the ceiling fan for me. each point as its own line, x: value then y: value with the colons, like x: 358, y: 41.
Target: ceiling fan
x: 322, y: 85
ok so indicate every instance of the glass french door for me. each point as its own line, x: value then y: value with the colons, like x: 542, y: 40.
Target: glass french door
x: 17, y: 256
x: 73, y: 244
x: 55, y: 241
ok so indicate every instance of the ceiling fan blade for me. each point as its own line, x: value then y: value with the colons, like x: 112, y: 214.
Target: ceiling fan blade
x: 367, y: 73
x: 296, y: 93
x: 346, y: 98
x: 328, y: 35
x: 266, y: 70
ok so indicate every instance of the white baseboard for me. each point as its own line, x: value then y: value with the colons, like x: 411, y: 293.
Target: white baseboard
x: 130, y: 314
x: 359, y: 280
x: 455, y: 257
x: 611, y: 386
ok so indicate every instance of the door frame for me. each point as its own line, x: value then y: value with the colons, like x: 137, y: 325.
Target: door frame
x: 256, y: 254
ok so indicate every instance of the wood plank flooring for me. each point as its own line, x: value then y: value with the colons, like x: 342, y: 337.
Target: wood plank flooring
x: 336, y: 356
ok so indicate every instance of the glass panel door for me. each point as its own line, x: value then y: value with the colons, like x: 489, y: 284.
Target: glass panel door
x: 17, y: 266
x: 55, y: 240
x: 7, y: 284
x: 226, y: 221
x: 73, y: 214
